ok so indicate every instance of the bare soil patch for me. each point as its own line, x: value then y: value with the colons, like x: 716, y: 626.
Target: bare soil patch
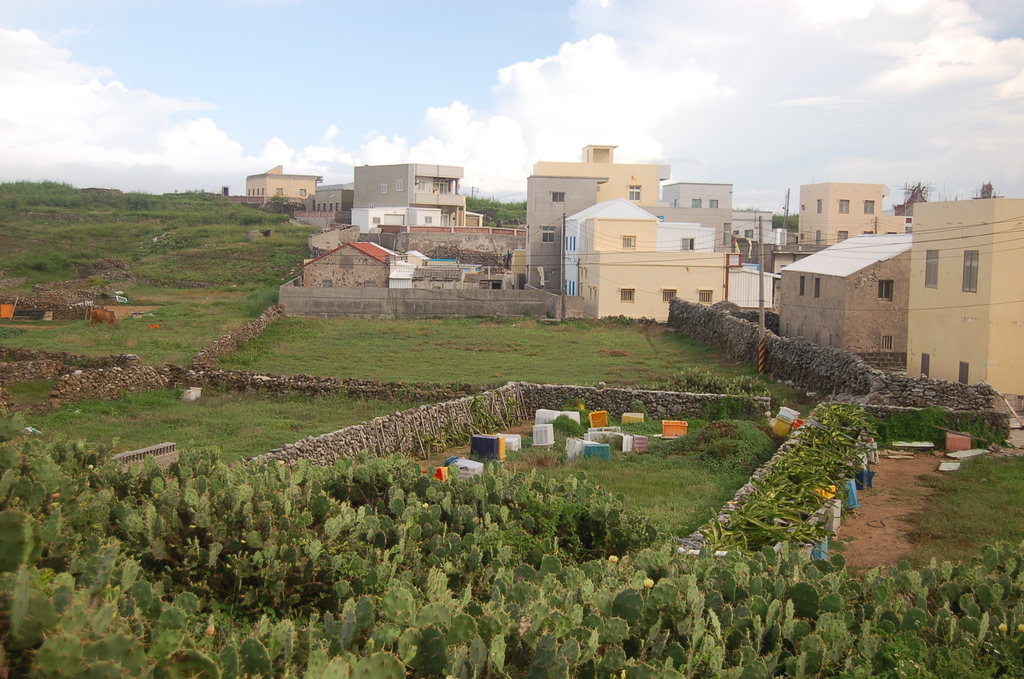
x: 875, y: 534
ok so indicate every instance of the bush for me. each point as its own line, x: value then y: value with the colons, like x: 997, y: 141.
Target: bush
x: 566, y: 426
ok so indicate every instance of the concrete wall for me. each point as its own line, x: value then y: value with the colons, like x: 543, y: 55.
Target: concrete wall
x: 984, y: 329
x: 393, y: 303
x: 579, y: 193
x: 426, y: 242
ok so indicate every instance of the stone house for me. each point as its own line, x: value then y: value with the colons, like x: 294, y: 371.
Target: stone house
x: 353, y: 265
x: 854, y: 295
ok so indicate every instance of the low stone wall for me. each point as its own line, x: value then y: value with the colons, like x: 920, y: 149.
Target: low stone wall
x: 660, y: 404
x: 24, y: 371
x: 418, y: 432
x: 996, y: 421
x: 71, y: 361
x: 229, y: 343
x: 889, y: 361
x: 826, y: 370
x: 107, y: 384
x: 11, y: 282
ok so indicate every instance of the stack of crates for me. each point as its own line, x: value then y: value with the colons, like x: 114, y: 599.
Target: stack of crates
x: 487, y: 447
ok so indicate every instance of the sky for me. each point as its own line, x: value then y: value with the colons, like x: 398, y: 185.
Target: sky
x: 155, y: 96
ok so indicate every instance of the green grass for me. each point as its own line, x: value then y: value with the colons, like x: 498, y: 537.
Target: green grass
x: 186, y: 326
x: 31, y: 392
x: 240, y: 425
x: 477, y: 351
x: 675, y: 494
x: 980, y: 504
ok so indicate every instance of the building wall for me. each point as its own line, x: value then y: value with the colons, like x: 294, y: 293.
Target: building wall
x: 824, y: 228
x: 819, y: 319
x: 328, y: 239
x: 604, y: 275
x: 387, y: 303
x: 541, y: 212
x: 984, y: 329
x: 346, y: 268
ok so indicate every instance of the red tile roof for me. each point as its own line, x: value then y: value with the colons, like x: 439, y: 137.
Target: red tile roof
x: 369, y: 249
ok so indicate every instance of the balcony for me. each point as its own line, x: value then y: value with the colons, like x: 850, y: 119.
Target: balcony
x: 430, y: 199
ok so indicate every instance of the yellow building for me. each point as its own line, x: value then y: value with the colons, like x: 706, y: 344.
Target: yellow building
x: 624, y: 261
x: 832, y: 212
x: 275, y: 182
x: 966, y: 320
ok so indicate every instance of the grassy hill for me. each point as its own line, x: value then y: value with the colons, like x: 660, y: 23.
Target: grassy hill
x: 179, y: 240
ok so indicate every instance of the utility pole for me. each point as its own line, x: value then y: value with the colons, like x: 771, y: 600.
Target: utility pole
x: 762, y: 353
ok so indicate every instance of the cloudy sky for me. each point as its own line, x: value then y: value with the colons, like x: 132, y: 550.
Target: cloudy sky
x: 159, y: 96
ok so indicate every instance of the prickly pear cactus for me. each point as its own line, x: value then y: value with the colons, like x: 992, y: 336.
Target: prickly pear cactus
x: 10, y: 426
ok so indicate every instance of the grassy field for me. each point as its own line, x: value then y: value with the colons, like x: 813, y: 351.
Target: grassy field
x: 478, y: 351
x: 188, y: 320
x: 239, y: 425
x: 977, y: 506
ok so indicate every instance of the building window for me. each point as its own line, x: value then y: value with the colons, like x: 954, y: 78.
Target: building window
x: 629, y: 242
x: 817, y: 288
x: 428, y: 220
x: 844, y: 207
x: 383, y: 188
x: 547, y: 235
x: 376, y: 220
x: 705, y: 296
x: 279, y: 192
x: 626, y: 295
x: 817, y: 237
x: 869, y: 207
x: 558, y: 196
x: 842, y: 235
x: 634, y: 192
x: 302, y: 192
x: 668, y: 295
x: 802, y: 280
x: 931, y: 268
x: 926, y: 364
x: 970, y: 270
x: 748, y: 234
x: 819, y: 206
x: 695, y: 202
x: 713, y: 203
x: 964, y: 376
x: 399, y: 185
x: 689, y: 244
x: 886, y: 343
x: 885, y: 290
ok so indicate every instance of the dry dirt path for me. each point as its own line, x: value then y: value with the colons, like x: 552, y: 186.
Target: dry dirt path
x: 875, y: 534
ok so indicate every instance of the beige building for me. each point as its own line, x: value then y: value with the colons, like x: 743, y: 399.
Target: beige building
x: 624, y: 261
x: 853, y: 295
x: 556, y: 190
x: 408, y: 194
x: 967, y: 293
x: 275, y: 183
x: 832, y: 212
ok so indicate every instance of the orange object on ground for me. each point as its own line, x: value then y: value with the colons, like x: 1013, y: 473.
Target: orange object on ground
x: 599, y: 418
x: 441, y: 474
x: 672, y: 428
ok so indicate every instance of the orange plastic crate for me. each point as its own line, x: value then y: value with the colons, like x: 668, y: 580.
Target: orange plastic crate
x: 673, y: 428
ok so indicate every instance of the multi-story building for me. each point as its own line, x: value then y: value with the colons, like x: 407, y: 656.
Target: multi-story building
x: 853, y: 295
x: 624, y: 261
x: 408, y: 194
x: 832, y: 212
x: 275, y: 183
x: 967, y: 293
x: 558, y: 189
x: 706, y: 204
x: 336, y: 198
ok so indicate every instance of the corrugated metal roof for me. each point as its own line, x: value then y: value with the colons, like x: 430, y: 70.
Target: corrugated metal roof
x: 853, y: 254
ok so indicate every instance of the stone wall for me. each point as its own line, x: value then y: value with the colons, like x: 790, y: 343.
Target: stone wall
x: 825, y: 370
x: 71, y: 361
x: 11, y: 282
x: 107, y: 384
x: 229, y: 343
x: 411, y: 303
x: 996, y: 421
x: 13, y: 372
x: 660, y: 404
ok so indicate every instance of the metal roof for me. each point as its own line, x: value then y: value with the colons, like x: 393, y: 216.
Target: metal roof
x: 853, y: 254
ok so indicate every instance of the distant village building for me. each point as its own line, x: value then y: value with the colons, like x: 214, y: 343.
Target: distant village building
x: 274, y: 183
x: 353, y: 265
x: 832, y: 212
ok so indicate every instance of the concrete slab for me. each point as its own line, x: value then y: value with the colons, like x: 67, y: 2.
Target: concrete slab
x: 967, y: 454
x: 949, y: 466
